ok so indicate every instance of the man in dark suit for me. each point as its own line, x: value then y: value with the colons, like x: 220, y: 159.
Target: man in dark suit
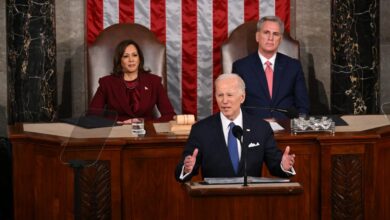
x: 209, y: 143
x: 273, y: 80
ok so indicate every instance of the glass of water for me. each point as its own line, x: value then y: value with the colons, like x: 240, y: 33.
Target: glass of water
x: 137, y: 126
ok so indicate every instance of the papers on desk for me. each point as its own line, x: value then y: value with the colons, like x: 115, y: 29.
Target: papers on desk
x: 239, y: 180
x: 275, y: 126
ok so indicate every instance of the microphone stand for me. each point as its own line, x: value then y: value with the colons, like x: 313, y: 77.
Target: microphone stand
x: 244, y: 156
x: 239, y: 134
x: 245, y: 151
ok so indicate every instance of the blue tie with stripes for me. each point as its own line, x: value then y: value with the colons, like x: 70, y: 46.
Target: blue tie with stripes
x: 233, y: 149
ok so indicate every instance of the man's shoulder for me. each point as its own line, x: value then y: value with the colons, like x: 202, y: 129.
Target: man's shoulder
x: 206, y: 122
x: 246, y: 59
x: 253, y: 117
x: 254, y: 120
x: 285, y: 58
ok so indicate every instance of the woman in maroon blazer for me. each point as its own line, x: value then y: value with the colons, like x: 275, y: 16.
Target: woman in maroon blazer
x: 130, y: 90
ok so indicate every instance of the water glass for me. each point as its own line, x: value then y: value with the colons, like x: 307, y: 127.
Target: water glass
x: 137, y: 126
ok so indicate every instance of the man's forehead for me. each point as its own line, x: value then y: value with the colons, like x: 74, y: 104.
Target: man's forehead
x: 271, y: 25
x: 226, y: 83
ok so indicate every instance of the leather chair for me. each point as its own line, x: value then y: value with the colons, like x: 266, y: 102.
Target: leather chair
x: 242, y: 42
x: 101, y: 53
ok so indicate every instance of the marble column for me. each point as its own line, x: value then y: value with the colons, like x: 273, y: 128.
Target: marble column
x: 32, y: 93
x: 355, y: 57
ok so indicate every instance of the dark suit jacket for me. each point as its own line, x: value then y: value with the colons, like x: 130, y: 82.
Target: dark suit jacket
x: 289, y: 88
x: 113, y: 94
x: 213, y: 156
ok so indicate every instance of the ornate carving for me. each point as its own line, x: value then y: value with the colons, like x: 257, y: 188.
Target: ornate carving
x: 346, y: 188
x: 95, y: 189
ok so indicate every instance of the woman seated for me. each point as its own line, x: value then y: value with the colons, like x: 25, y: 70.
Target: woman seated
x: 131, y: 90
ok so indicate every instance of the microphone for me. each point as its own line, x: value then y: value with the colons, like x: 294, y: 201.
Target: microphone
x: 290, y: 112
x: 238, y: 133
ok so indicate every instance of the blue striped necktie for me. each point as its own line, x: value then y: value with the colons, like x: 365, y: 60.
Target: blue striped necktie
x: 233, y: 149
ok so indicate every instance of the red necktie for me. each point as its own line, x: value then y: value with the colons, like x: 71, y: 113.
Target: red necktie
x: 270, y: 75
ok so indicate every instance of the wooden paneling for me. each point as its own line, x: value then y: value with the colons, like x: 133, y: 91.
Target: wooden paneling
x: 343, y: 176
x: 255, y: 201
x: 149, y: 186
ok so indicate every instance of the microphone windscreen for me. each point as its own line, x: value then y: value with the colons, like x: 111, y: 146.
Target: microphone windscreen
x: 237, y: 131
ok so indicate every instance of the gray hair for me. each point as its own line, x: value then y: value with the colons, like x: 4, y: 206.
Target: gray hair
x: 238, y: 79
x: 276, y: 19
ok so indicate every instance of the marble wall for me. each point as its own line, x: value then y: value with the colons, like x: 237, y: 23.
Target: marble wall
x: 384, y: 51
x: 31, y: 61
x: 355, y: 57
x: 312, y: 29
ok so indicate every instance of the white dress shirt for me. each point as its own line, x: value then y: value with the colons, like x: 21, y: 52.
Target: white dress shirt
x: 271, y: 60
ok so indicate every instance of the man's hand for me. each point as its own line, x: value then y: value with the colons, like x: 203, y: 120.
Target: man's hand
x: 288, y: 159
x: 189, y: 161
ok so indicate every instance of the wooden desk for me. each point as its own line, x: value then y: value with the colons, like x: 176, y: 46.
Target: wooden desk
x: 343, y: 176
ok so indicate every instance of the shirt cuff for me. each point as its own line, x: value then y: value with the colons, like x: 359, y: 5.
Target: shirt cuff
x: 182, y: 175
x: 291, y: 172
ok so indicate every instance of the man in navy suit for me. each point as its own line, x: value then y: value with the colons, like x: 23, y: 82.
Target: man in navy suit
x: 207, y: 146
x: 283, y: 86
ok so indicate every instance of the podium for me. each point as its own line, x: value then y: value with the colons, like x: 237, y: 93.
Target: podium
x: 255, y: 201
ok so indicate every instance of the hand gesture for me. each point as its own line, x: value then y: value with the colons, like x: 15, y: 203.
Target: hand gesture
x: 288, y: 159
x: 189, y: 161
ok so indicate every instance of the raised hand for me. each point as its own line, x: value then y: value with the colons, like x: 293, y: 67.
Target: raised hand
x: 288, y: 159
x: 189, y: 161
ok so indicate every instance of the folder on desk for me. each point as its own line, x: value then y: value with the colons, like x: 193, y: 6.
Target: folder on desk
x: 239, y: 180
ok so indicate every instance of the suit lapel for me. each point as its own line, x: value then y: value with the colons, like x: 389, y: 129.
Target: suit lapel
x: 246, y: 127
x: 278, y: 75
x: 219, y: 130
x: 259, y: 74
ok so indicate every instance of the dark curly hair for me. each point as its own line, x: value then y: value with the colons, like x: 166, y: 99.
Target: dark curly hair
x: 120, y: 50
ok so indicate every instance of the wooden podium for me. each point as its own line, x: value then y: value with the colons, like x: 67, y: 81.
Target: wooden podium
x: 255, y: 201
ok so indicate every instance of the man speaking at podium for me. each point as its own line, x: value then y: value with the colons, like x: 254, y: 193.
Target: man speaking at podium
x: 212, y: 146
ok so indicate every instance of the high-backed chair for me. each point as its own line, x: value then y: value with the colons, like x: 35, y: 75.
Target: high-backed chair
x: 101, y: 52
x: 242, y: 42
